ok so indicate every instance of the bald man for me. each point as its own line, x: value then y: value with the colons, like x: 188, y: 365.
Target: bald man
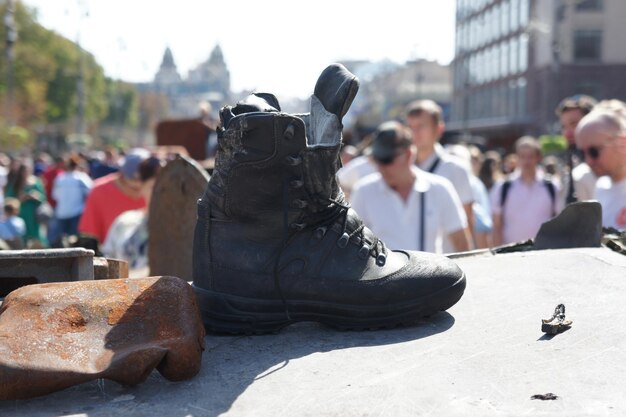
x: 601, y: 136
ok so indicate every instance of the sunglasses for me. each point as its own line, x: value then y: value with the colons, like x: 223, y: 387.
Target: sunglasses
x: 593, y: 151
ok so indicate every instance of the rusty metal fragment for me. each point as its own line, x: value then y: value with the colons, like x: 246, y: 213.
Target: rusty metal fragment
x: 56, y: 335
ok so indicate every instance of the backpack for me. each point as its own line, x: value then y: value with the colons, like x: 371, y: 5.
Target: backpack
x: 547, y: 183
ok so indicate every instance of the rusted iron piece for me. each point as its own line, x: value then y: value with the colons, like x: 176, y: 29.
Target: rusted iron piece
x: 557, y: 323
x: 176, y: 192
x: 53, y: 336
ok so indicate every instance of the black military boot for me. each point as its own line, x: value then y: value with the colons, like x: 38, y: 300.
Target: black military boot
x: 276, y: 242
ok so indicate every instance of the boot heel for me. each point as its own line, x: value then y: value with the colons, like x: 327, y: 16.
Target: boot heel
x: 222, y: 313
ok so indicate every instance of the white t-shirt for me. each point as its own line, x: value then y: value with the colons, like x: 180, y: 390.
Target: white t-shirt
x: 353, y: 171
x: 457, y: 172
x: 584, y: 182
x: 70, y: 190
x: 397, y: 222
x: 612, y: 197
x: 526, y: 208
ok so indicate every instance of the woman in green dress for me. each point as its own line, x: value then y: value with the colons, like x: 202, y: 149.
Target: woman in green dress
x: 26, y: 187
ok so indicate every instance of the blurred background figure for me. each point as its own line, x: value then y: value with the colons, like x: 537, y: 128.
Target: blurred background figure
x: 490, y: 171
x: 481, y: 208
x: 509, y: 164
x: 425, y: 120
x: 4, y: 172
x: 404, y: 206
x: 109, y: 164
x: 12, y: 227
x: 48, y: 177
x: 601, y: 136
x: 128, y: 235
x: 28, y: 189
x: 525, y: 200
x: 112, y: 195
x: 70, y: 191
x: 580, y: 182
x: 348, y: 153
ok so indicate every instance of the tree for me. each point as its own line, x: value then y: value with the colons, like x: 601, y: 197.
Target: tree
x: 46, y: 72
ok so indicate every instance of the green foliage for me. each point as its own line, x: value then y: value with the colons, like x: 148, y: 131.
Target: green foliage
x: 123, y: 101
x: 552, y: 144
x: 47, y: 70
x: 14, y: 138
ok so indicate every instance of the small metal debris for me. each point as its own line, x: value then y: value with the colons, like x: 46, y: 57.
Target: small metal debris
x: 557, y: 323
x: 545, y: 397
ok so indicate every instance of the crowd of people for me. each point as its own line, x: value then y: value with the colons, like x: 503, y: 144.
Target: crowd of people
x: 410, y: 190
x: 101, y: 199
x: 416, y: 194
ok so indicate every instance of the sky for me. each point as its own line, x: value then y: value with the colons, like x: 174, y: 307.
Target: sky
x: 278, y: 46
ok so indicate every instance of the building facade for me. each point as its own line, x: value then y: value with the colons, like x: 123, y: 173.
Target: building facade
x: 516, y: 59
x: 208, y: 83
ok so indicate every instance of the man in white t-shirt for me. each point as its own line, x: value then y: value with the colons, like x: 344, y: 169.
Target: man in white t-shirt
x: 601, y: 136
x: 425, y: 119
x: 580, y: 185
x: 522, y: 204
x: 406, y: 207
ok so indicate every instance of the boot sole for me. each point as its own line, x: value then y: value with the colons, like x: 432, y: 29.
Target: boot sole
x: 224, y: 313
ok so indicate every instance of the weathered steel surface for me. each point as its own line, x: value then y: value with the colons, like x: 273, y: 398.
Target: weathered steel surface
x: 24, y: 267
x: 109, y: 268
x: 172, y: 217
x: 53, y: 336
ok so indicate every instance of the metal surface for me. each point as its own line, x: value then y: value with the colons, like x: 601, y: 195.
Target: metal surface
x: 53, y: 336
x: 172, y: 217
x: 485, y: 357
x: 25, y: 267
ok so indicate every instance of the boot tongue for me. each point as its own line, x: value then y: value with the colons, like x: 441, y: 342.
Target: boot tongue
x: 336, y: 88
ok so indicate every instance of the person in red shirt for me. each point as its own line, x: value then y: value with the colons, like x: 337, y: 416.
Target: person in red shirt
x: 111, y: 196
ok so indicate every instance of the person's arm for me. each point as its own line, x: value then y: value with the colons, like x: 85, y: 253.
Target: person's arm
x: 460, y: 239
x: 497, y: 229
x: 496, y: 213
x: 469, y: 213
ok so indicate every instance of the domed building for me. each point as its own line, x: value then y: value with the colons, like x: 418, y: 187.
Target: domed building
x: 208, y: 83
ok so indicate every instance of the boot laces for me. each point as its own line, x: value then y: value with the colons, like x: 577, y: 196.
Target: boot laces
x: 336, y: 210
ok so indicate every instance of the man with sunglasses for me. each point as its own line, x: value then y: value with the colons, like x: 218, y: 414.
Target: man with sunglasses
x: 580, y: 182
x: 601, y: 136
x: 406, y: 207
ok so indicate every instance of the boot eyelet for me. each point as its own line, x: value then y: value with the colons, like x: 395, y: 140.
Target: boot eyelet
x: 293, y: 160
x: 299, y: 204
x: 364, y: 252
x: 343, y: 240
x: 296, y: 183
x: 289, y: 132
x: 381, y: 259
x: 298, y: 226
x: 320, y: 232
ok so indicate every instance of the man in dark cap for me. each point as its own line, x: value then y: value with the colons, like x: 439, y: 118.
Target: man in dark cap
x: 405, y: 206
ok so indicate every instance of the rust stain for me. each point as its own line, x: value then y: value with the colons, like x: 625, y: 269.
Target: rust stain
x: 68, y: 320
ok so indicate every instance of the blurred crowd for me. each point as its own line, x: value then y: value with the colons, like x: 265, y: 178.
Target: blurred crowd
x: 416, y: 194
x: 97, y: 200
x: 410, y: 190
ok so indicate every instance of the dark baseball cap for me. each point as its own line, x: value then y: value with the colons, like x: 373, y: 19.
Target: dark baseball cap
x: 390, y: 139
